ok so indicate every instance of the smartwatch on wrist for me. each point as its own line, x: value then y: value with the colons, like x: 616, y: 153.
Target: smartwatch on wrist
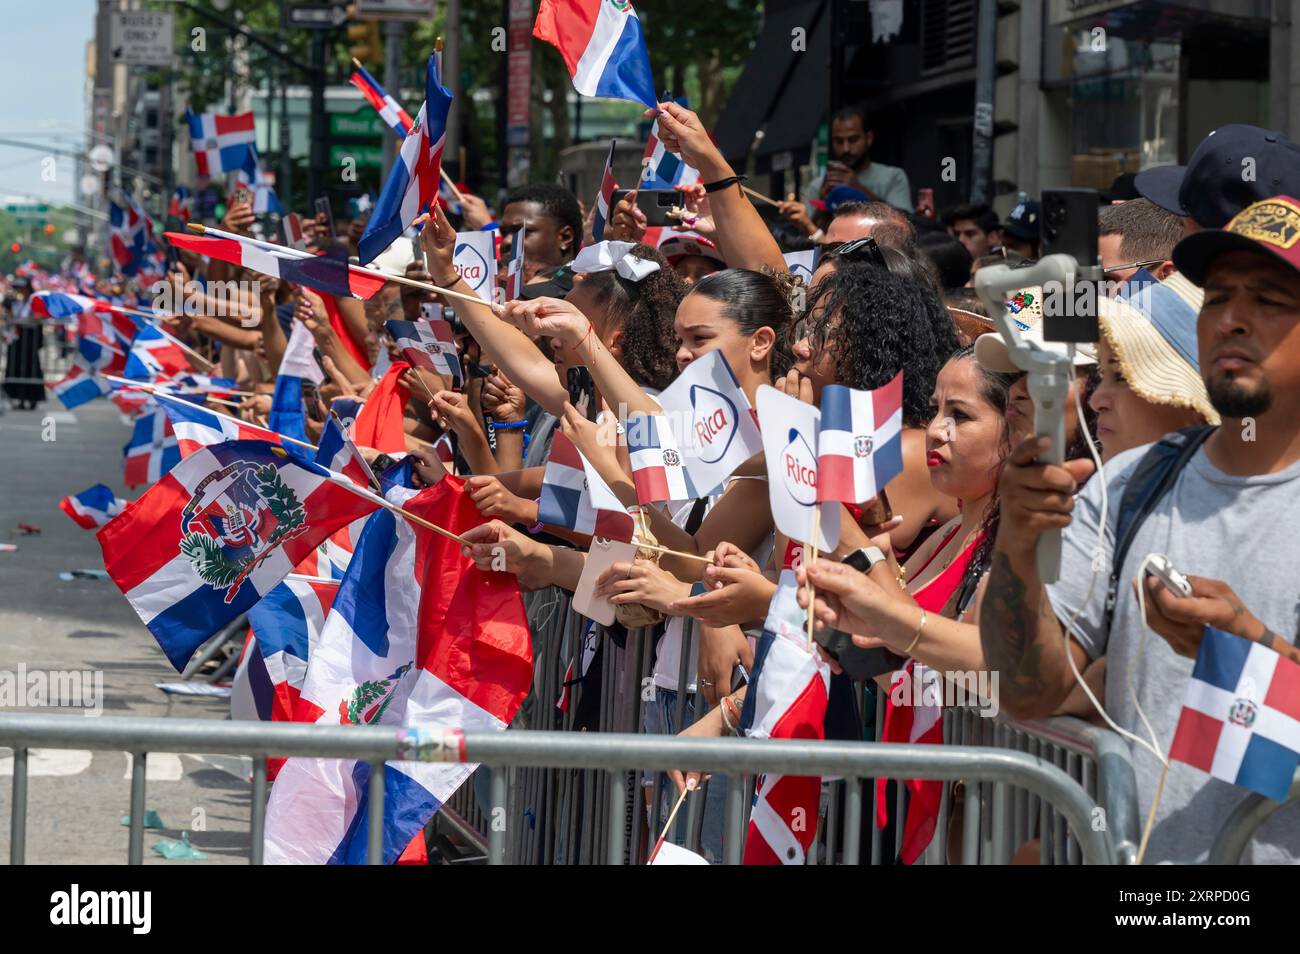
x: 864, y: 558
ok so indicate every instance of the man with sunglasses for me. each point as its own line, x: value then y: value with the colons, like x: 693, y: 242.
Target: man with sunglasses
x: 1137, y: 234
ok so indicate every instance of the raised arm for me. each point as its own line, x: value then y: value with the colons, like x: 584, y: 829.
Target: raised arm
x: 507, y: 346
x: 742, y: 237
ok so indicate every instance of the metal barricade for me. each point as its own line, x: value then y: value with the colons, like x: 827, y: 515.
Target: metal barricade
x: 607, y: 757
x: 1240, y: 826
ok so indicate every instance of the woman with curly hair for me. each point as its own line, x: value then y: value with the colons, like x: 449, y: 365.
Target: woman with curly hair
x: 864, y: 324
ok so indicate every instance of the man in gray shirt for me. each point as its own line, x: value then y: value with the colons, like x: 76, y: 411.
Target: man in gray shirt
x: 851, y: 164
x: 1229, y: 521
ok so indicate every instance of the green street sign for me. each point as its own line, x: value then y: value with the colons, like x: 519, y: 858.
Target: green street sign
x: 364, y: 156
x: 363, y: 122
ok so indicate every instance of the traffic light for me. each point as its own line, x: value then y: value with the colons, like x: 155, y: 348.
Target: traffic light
x: 364, y: 44
x: 16, y: 248
x: 49, y: 228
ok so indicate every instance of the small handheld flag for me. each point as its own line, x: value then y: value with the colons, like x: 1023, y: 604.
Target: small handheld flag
x: 605, y: 198
x: 220, y: 142
x: 860, y: 444
x: 92, y: 508
x: 602, y: 45
x: 429, y: 345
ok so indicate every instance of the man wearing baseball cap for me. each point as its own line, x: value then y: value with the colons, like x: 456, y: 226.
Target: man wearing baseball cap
x: 1225, y: 519
x: 1021, y: 231
x: 1232, y: 167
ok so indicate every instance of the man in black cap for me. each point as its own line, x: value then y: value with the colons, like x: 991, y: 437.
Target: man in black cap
x: 1233, y: 167
x: 1021, y: 231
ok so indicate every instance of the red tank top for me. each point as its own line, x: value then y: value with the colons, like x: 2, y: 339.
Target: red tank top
x: 934, y: 596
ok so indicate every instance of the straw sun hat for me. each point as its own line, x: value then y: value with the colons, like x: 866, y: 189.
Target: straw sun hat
x: 1152, y: 334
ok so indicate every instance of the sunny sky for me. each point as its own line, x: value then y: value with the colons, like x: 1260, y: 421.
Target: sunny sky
x: 42, y: 91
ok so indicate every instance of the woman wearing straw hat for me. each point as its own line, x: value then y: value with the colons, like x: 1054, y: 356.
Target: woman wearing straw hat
x: 1150, y: 378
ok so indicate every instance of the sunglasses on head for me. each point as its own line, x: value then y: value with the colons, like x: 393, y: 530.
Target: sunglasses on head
x: 859, y: 250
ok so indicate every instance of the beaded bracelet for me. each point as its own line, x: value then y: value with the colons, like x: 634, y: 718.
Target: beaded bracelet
x: 511, y: 426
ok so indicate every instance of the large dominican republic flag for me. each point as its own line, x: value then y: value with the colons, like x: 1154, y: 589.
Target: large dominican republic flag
x: 860, y: 444
x: 223, y: 527
x: 787, y: 696
x: 328, y: 273
x: 286, y: 626
x: 417, y: 637
x: 602, y: 45
x: 220, y: 142
x: 1241, y: 715
x: 412, y: 185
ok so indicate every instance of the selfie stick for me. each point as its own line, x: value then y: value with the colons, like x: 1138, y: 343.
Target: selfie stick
x: 1048, y: 371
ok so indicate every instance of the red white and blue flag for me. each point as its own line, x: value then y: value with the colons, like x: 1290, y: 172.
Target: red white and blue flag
x: 155, y: 354
x: 602, y: 45
x: 575, y: 497
x: 412, y: 185
x: 197, y: 427
x: 181, y: 206
x: 661, y: 169
x: 336, y: 452
x: 53, y: 304
x: 1241, y: 715
x: 328, y: 273
x: 81, y: 384
x: 130, y: 234
x: 429, y: 345
x: 860, y: 444
x: 788, y: 691
x: 659, y: 470
x: 286, y: 626
x: 389, y: 109
x: 706, y: 431
x: 220, y: 142
x: 92, y: 508
x: 152, y: 450
x: 251, y: 177
x: 417, y: 637
x: 605, y: 198
x: 515, y: 269
x: 919, y: 720
x: 217, y: 533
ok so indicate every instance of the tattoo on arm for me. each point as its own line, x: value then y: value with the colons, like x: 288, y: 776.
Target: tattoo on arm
x: 1011, y: 620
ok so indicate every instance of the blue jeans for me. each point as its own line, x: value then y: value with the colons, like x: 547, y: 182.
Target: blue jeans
x: 660, y: 718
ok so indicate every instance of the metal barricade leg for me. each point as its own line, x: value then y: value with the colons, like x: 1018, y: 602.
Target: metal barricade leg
x: 734, y: 838
x: 852, y: 820
x: 614, y: 843
x: 496, y: 832
x: 18, y: 810
x: 375, y: 820
x: 135, y: 847
x: 257, y: 821
x: 970, y: 836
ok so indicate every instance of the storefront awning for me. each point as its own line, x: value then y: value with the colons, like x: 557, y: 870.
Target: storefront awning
x: 782, y: 91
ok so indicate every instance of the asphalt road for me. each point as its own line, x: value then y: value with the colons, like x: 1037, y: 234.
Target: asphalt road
x: 76, y: 799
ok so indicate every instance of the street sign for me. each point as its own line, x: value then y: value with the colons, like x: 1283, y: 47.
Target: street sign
x: 142, y: 38
x: 363, y: 155
x: 316, y: 16
x: 394, y: 9
x: 363, y: 122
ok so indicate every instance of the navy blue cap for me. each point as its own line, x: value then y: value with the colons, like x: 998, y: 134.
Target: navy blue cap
x: 842, y: 194
x: 1217, y: 186
x: 1022, y: 223
x: 1161, y: 184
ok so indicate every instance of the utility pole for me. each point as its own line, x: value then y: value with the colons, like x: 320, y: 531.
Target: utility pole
x: 393, y: 30
x: 316, y: 168
x: 986, y: 52
x: 451, y: 80
x: 285, y: 183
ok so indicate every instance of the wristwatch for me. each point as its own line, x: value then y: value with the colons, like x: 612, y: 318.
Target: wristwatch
x: 864, y: 558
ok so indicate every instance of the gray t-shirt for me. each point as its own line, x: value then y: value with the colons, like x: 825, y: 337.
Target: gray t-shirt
x: 887, y: 183
x: 1241, y: 530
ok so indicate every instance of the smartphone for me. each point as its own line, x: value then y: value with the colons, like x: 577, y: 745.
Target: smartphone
x: 1069, y: 226
x: 582, y: 392
x: 602, y: 555
x: 323, y: 207
x: 878, y: 511
x: 242, y: 194
x: 654, y: 203
x: 857, y: 663
x: 1160, y: 567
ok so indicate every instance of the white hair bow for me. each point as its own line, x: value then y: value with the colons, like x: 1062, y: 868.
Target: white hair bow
x: 603, y: 256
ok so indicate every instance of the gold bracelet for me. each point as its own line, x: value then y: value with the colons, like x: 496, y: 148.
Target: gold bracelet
x: 916, y: 638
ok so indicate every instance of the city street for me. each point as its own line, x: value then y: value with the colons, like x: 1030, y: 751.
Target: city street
x: 77, y: 799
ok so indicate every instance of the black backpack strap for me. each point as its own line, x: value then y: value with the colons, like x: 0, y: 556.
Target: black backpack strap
x: 1151, y: 480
